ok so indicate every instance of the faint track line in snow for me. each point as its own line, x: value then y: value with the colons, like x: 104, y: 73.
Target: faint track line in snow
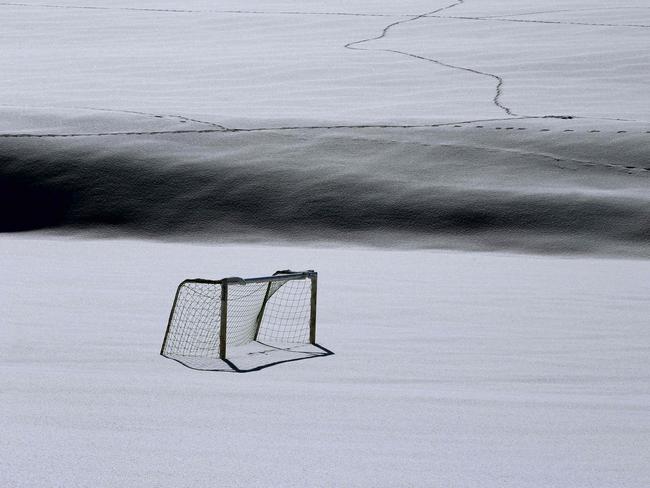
x: 254, y: 129
x: 496, y: 100
x: 538, y: 12
x: 18, y: 135
x: 90, y: 7
x: 375, y: 126
x: 499, y: 86
x: 182, y: 118
x: 533, y: 21
x: 542, y: 155
x: 193, y: 11
x: 545, y: 155
x: 385, y: 30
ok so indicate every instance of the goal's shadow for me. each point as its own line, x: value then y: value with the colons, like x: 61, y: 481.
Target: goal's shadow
x: 254, y: 356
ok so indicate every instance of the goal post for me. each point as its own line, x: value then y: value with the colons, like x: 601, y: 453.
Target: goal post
x: 211, y: 317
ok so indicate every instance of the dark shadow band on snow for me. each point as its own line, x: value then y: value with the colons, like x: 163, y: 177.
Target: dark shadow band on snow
x: 149, y: 195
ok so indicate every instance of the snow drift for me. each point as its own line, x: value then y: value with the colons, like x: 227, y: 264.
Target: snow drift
x: 467, y: 185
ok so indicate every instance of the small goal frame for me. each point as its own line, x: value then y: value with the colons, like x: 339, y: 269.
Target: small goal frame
x: 226, y: 283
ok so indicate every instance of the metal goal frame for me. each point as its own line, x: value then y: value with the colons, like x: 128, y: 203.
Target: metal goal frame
x: 224, y: 283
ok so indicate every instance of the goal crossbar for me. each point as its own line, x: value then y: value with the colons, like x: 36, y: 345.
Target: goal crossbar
x: 277, y: 276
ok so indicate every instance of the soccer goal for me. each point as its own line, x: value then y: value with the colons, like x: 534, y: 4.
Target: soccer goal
x: 209, y: 319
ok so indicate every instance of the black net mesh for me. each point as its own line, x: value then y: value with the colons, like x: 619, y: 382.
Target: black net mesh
x: 287, y: 313
x: 193, y: 329
x: 271, y: 312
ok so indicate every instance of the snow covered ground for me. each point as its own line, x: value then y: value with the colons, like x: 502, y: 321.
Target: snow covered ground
x: 366, y: 133
x: 450, y: 369
x: 244, y: 63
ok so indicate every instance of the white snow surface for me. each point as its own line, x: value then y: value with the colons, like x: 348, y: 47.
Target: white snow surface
x: 450, y: 369
x: 286, y: 60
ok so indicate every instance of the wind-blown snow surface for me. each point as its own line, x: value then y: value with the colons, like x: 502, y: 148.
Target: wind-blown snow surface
x: 451, y: 369
x: 306, y: 60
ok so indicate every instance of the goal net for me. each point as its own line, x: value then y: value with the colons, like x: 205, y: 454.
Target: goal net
x: 209, y: 319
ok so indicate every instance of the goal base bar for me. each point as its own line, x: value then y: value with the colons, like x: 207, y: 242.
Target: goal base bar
x: 254, y: 357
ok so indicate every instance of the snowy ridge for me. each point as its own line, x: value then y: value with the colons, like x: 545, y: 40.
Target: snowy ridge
x: 485, y: 185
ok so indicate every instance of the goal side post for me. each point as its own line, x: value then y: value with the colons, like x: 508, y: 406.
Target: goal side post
x: 313, y: 276
x: 223, y: 326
